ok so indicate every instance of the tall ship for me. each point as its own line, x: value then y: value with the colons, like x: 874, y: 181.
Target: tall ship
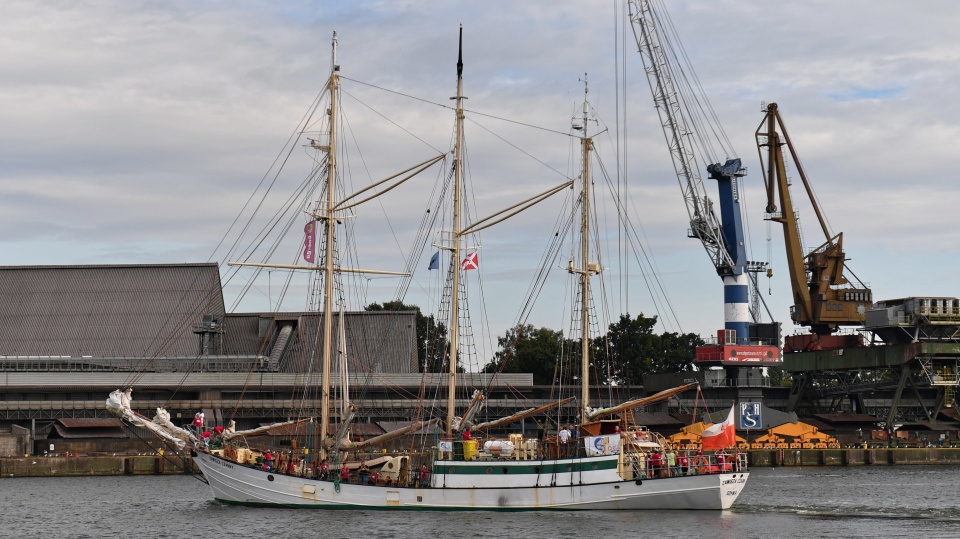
x: 600, y: 460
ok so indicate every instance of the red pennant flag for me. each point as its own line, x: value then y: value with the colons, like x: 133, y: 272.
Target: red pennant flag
x: 470, y: 262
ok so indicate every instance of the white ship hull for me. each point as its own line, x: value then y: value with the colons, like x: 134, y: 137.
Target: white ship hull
x: 581, y: 484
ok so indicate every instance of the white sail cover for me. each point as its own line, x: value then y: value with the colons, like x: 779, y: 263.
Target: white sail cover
x: 119, y: 403
x: 230, y: 433
x: 163, y: 419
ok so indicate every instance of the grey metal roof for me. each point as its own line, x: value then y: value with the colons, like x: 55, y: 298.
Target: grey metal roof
x: 658, y: 419
x: 91, y: 423
x: 87, y: 428
x: 88, y: 318
x: 837, y: 419
x: 377, y: 341
x: 106, y: 311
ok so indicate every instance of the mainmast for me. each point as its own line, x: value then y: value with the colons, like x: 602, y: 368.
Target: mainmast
x: 455, y: 248
x: 329, y: 222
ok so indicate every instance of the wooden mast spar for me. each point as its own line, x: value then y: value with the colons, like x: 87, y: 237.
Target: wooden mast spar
x: 455, y: 248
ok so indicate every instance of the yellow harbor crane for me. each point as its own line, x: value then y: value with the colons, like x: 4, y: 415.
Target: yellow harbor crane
x: 824, y: 299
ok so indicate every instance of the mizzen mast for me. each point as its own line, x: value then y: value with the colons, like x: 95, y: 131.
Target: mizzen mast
x: 587, y: 268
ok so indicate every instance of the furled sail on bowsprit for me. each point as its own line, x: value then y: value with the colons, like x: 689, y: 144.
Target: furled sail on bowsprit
x: 119, y: 403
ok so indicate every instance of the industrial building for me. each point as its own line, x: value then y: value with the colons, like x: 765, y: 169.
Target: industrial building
x: 72, y: 334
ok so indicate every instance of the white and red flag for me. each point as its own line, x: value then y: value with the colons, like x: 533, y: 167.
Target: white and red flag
x: 720, y: 435
x: 471, y: 262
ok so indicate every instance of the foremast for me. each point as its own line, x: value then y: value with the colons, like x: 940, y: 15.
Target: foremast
x: 327, y: 211
x: 328, y: 218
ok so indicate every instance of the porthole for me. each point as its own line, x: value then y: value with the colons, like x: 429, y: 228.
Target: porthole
x: 452, y: 470
x: 505, y: 469
x: 269, y: 478
x: 594, y: 466
x: 489, y: 470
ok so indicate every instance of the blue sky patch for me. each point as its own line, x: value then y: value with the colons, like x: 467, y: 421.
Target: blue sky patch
x: 860, y: 94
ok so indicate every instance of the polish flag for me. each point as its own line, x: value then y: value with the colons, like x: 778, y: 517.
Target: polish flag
x: 470, y: 262
x: 720, y: 435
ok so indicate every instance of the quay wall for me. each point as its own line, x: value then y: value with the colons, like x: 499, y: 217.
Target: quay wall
x: 94, y: 465
x: 853, y: 457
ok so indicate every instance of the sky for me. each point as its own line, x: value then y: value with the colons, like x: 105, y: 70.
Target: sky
x: 133, y: 132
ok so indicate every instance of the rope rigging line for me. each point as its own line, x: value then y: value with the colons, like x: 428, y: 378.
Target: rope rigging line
x: 641, y: 254
x: 305, y: 120
x: 448, y: 107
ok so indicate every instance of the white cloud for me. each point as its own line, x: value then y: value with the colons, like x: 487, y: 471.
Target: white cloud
x: 133, y: 132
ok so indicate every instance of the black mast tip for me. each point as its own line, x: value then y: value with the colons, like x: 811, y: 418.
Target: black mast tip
x: 460, y: 54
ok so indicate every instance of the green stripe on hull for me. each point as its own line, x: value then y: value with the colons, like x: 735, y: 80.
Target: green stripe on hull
x: 532, y: 468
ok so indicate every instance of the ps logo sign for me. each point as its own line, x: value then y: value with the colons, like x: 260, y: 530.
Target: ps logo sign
x: 750, y: 415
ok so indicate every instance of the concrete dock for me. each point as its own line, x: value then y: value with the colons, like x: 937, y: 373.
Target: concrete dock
x: 94, y: 465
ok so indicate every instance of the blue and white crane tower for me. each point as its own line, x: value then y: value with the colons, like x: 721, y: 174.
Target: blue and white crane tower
x: 688, y: 123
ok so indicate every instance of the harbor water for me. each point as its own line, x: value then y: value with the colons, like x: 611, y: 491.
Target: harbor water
x: 888, y: 501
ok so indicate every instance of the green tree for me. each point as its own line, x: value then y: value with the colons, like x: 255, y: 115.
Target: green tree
x: 431, y: 335
x: 632, y: 350
x: 525, y: 348
x: 779, y: 377
x: 628, y: 351
x: 679, y: 350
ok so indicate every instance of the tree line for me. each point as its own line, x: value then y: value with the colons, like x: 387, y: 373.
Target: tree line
x: 629, y: 350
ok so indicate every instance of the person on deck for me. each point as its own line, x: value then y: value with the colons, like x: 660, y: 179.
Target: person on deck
x: 562, y: 438
x: 699, y: 462
x: 722, y: 461
x: 466, y: 435
x: 344, y: 474
x: 363, y: 474
x: 268, y: 460
x: 671, y: 462
x: 324, y: 469
x: 424, y: 476
x: 656, y: 463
